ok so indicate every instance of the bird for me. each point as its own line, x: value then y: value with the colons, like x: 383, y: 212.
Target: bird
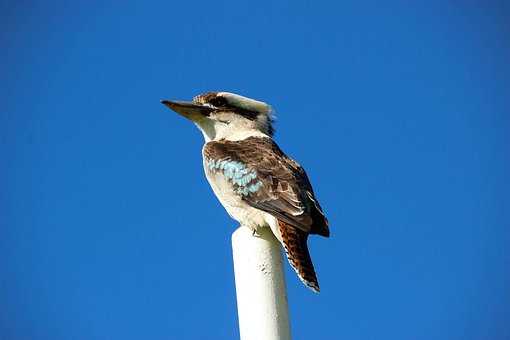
x: 254, y: 180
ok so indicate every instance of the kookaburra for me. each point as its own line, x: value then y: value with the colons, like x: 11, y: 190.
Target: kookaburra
x: 254, y: 180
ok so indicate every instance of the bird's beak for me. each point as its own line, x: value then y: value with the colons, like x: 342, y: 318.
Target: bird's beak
x: 188, y: 109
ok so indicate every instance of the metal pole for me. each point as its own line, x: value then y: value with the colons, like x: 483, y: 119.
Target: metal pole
x: 260, y: 286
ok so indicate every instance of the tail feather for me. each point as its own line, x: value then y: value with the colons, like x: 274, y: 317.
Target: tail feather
x: 296, y: 249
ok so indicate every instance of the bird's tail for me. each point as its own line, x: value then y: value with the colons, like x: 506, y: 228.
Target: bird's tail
x: 296, y: 248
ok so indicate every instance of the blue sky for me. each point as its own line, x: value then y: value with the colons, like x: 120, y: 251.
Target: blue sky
x: 398, y: 111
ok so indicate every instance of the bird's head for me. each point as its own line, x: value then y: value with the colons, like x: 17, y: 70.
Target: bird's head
x: 226, y: 115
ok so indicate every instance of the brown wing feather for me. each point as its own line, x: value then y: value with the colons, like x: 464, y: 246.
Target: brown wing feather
x: 286, y: 192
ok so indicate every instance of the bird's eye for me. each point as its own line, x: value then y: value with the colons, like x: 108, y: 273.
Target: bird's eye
x: 218, y: 102
x: 224, y: 121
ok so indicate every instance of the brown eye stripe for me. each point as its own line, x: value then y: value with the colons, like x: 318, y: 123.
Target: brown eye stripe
x: 218, y: 102
x: 221, y: 103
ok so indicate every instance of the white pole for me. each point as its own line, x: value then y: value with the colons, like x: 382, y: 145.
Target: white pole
x: 260, y: 286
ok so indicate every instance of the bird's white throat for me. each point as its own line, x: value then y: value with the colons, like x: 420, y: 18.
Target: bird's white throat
x: 215, y: 130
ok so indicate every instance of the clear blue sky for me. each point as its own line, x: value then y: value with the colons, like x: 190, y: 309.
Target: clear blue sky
x: 399, y: 112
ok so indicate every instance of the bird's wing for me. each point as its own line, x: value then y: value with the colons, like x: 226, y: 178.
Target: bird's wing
x: 268, y: 180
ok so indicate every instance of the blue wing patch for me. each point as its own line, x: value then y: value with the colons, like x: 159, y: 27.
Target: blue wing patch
x: 242, y: 177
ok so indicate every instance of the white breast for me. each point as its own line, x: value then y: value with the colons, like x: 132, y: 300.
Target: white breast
x: 235, y: 206
x: 238, y: 209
